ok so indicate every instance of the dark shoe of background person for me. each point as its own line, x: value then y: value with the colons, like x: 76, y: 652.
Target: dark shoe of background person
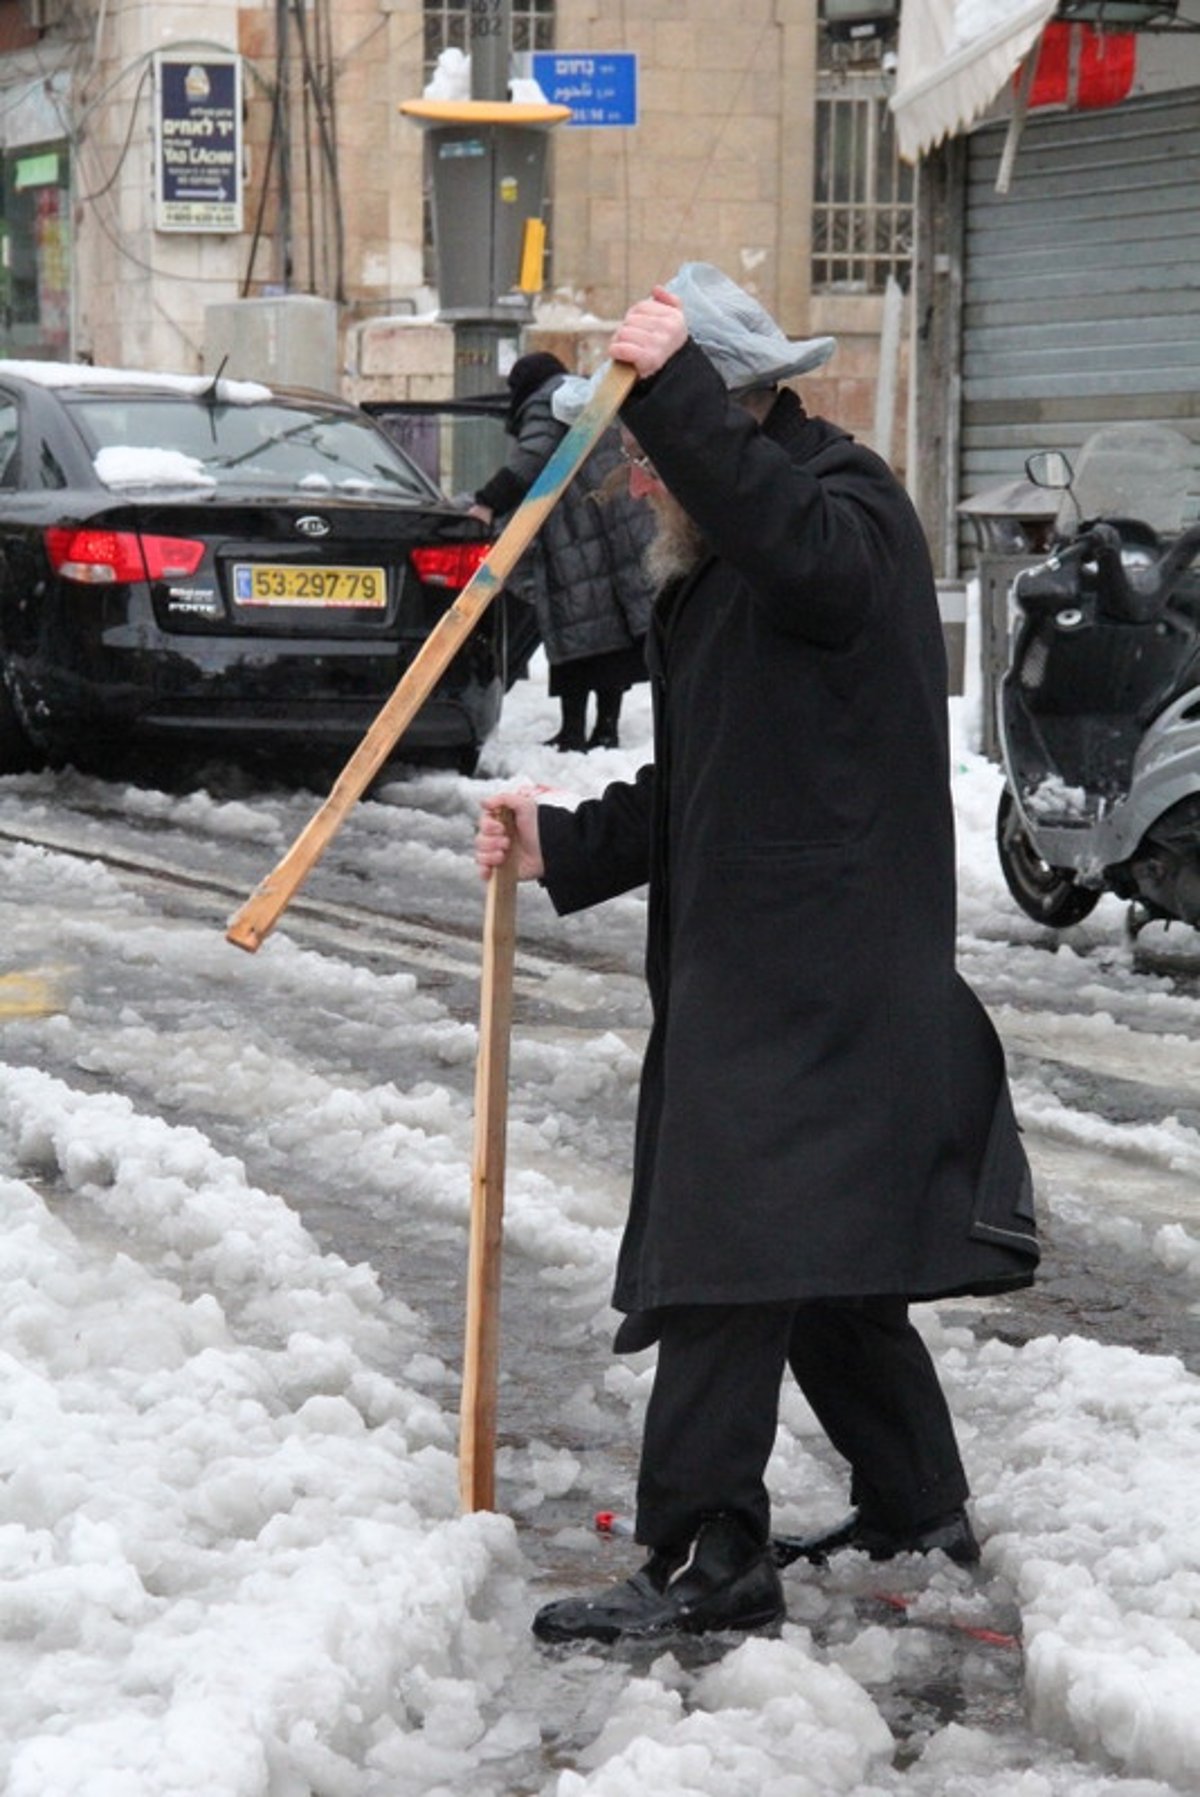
x: 950, y: 1534
x: 572, y: 729
x: 566, y: 740
x: 608, y: 716
x: 725, y: 1580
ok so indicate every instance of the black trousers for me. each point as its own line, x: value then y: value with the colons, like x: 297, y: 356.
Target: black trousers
x: 713, y: 1413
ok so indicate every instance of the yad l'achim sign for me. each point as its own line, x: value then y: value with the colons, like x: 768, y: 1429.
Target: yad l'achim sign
x: 198, y: 143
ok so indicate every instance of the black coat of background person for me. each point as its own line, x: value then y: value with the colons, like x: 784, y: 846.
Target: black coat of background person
x: 583, y: 573
x: 824, y: 1108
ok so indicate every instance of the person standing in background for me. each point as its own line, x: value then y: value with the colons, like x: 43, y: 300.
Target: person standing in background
x: 584, y: 573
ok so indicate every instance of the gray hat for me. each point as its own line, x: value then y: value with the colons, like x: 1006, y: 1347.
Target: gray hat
x: 739, y: 337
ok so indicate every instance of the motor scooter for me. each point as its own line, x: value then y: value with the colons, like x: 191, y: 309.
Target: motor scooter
x: 1099, y: 711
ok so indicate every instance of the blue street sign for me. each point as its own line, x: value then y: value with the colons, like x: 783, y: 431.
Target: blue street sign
x: 600, y: 86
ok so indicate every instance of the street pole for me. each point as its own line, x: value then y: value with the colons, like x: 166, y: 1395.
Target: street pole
x: 477, y: 342
x: 283, y: 148
x: 489, y: 42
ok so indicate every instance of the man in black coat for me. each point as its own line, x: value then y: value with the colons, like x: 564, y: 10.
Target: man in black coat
x: 825, y: 1131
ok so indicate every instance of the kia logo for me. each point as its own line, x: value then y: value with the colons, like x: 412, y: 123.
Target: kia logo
x: 312, y: 526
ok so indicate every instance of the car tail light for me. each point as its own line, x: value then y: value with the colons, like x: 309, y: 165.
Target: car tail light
x: 171, y: 558
x: 450, y: 564
x: 111, y: 557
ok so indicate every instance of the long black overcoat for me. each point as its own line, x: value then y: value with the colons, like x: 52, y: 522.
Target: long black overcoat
x: 824, y: 1108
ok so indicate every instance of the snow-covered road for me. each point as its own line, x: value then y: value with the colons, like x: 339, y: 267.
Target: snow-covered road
x: 234, y: 1191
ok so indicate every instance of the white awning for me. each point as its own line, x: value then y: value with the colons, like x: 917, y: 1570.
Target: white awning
x: 954, y: 58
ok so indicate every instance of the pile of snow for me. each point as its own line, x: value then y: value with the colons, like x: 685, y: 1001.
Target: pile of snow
x: 89, y: 374
x: 134, y: 466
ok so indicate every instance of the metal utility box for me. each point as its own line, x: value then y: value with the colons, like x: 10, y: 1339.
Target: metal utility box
x: 1013, y: 526
x: 488, y: 165
x: 486, y: 183
x: 291, y: 341
x: 1012, y: 519
x: 996, y: 619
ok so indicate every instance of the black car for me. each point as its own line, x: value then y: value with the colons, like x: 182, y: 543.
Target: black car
x: 460, y: 443
x: 213, y: 564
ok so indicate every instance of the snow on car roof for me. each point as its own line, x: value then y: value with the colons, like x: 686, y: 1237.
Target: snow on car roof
x: 84, y: 374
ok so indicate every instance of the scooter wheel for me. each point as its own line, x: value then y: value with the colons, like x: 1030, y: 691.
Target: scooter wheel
x: 1050, y: 895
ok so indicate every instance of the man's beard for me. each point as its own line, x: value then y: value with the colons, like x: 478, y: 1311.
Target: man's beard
x: 677, y: 545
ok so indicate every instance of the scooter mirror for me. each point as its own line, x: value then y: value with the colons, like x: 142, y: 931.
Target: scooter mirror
x: 1049, y: 468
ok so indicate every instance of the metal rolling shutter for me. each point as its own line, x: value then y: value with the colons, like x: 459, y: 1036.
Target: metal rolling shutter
x: 1081, y: 289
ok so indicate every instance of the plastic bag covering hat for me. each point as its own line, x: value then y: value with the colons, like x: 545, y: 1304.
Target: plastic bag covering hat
x: 739, y: 337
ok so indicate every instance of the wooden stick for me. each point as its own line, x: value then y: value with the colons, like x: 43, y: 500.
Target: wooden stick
x: 481, y: 1353
x: 250, y: 926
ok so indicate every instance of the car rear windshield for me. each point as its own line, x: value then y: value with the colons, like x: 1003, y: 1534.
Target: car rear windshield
x: 266, y: 445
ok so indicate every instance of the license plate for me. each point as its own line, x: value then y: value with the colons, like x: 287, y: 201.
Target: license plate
x: 269, y: 583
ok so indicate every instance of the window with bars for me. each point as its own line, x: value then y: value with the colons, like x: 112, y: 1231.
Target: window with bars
x: 863, y: 194
x: 446, y: 23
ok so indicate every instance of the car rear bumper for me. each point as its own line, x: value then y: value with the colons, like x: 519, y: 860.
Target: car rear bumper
x: 316, y: 695
x: 441, y: 723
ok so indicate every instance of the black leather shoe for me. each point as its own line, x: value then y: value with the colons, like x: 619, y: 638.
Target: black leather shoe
x: 727, y: 1580
x: 950, y: 1534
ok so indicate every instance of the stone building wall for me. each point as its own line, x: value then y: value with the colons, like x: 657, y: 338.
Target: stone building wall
x: 717, y: 168
x: 139, y: 293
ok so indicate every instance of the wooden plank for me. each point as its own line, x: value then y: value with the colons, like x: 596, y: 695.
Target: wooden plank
x: 481, y: 1351
x: 250, y: 926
